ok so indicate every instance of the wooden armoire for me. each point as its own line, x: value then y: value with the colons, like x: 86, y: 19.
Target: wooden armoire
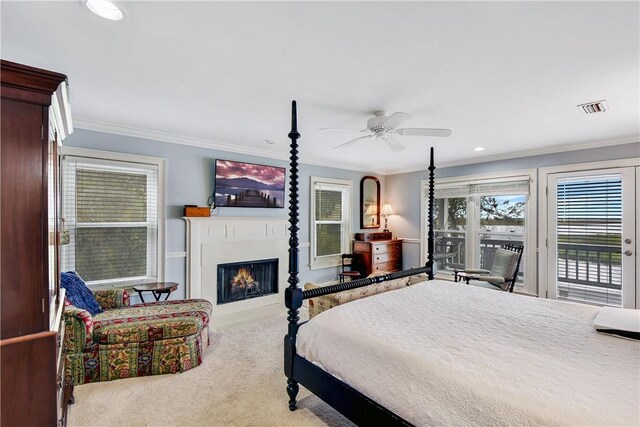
x: 35, y: 118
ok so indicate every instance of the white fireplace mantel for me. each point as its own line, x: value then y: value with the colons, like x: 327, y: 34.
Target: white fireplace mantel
x: 220, y: 240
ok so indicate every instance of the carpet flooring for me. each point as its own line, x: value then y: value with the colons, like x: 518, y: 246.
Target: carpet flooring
x: 240, y: 383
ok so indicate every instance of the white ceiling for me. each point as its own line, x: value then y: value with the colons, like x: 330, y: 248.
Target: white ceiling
x: 506, y: 76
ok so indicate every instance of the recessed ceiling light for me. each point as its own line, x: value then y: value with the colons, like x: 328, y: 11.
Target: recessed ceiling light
x: 478, y: 149
x: 105, y: 9
x: 268, y: 141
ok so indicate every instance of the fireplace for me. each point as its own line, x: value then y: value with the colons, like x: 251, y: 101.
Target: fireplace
x: 224, y: 241
x: 239, y: 281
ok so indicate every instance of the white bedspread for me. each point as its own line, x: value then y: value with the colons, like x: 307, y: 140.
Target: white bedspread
x: 442, y: 353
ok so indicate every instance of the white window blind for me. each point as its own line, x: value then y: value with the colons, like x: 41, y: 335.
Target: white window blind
x: 331, y: 208
x: 111, y: 213
x: 504, y: 187
x: 589, y: 236
x: 330, y: 221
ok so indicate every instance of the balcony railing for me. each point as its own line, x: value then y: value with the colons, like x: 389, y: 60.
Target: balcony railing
x: 589, y: 273
x: 450, y: 250
x: 588, y: 265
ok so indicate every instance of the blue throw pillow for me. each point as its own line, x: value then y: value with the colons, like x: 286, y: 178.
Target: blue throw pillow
x: 78, y: 293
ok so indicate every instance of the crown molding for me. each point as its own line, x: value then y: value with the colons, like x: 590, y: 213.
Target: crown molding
x: 524, y: 153
x: 334, y: 165
x: 96, y: 126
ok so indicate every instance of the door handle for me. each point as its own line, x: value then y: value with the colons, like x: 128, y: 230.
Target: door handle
x: 628, y: 253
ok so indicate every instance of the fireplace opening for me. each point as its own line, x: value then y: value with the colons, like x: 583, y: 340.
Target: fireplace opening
x: 238, y: 281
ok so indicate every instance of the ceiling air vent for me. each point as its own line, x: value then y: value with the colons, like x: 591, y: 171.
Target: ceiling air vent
x: 594, y: 107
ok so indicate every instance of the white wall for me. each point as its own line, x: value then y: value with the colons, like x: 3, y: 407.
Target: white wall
x: 403, y: 190
x: 190, y: 180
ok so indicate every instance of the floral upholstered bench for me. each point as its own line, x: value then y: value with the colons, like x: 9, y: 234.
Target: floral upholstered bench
x: 319, y: 304
x: 126, y: 341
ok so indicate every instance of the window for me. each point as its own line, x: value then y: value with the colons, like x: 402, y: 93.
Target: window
x: 331, y: 221
x: 473, y: 218
x: 112, y: 212
x: 450, y: 224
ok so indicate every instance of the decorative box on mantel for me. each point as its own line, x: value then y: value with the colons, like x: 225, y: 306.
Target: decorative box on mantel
x: 237, y: 251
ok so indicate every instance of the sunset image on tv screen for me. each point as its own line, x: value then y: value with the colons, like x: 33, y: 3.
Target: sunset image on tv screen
x: 247, y: 185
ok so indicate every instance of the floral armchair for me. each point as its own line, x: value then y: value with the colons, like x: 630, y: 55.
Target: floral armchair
x: 131, y: 341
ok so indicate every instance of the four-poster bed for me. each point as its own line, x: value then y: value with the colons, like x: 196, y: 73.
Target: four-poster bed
x: 443, y: 353
x: 348, y: 401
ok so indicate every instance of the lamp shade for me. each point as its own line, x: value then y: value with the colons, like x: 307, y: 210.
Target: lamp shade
x: 371, y: 209
x: 387, y: 210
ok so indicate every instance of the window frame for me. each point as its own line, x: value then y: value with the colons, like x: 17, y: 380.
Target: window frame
x: 326, y: 261
x: 109, y: 158
x: 473, y: 216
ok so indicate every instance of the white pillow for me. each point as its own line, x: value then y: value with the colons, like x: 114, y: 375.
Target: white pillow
x: 619, y: 321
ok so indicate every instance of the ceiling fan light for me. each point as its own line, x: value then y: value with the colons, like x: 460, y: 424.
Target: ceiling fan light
x: 105, y: 9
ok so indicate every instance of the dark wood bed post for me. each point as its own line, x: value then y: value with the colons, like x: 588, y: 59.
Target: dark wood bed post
x: 430, y: 236
x: 345, y: 399
x: 293, y: 294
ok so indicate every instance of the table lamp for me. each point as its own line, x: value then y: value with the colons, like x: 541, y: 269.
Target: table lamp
x: 386, y: 211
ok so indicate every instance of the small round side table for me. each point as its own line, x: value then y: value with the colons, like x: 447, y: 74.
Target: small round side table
x: 156, y: 288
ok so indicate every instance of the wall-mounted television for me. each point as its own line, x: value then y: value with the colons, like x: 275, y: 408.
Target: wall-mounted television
x: 247, y: 185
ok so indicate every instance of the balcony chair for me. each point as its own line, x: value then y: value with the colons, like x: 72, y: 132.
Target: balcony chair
x: 349, y: 267
x: 503, y: 273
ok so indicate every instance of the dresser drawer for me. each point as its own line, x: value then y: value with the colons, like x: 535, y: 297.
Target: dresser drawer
x: 388, y: 266
x: 383, y: 248
x: 390, y: 256
x: 381, y: 255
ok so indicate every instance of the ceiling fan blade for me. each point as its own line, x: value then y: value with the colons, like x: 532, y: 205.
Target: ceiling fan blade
x: 353, y: 141
x: 423, y: 132
x: 396, y: 119
x: 394, y: 144
x: 354, y: 129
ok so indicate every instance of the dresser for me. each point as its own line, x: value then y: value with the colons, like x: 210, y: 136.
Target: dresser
x: 34, y: 119
x: 378, y: 255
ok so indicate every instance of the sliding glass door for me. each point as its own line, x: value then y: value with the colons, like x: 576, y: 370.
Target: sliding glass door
x: 591, y: 241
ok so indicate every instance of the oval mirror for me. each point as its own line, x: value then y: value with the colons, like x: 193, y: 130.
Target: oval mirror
x: 369, y: 202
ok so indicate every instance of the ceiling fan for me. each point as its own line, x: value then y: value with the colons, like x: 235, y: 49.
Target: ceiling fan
x: 382, y: 127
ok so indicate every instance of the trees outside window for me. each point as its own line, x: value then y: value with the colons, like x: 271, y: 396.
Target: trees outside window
x: 474, y: 218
